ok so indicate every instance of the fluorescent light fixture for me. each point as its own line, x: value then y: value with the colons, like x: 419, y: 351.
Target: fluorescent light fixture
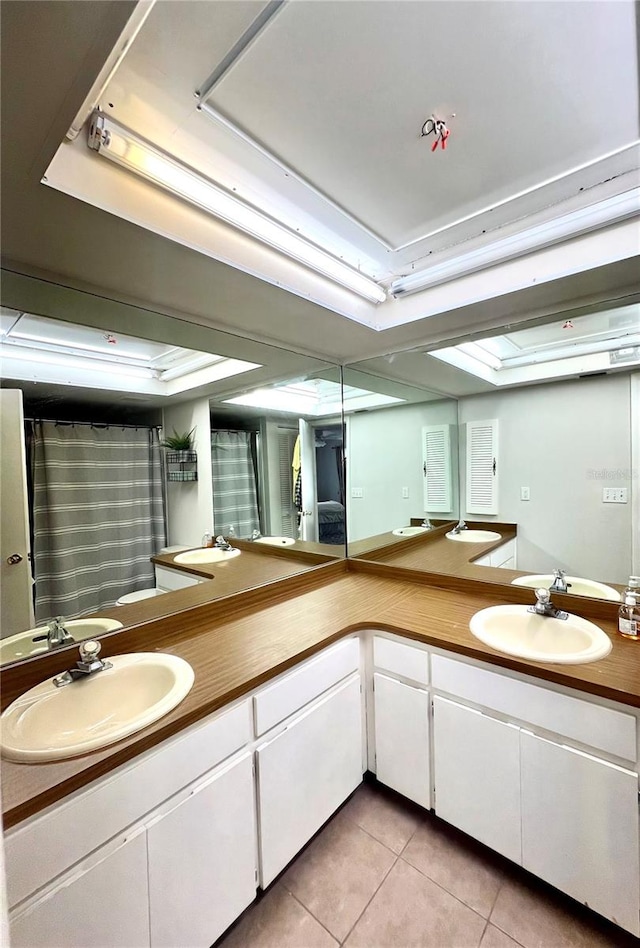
x: 611, y: 211
x: 122, y: 146
x: 314, y: 397
x: 74, y: 362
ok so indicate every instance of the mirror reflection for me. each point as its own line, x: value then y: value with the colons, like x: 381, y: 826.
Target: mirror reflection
x: 546, y: 455
x: 122, y: 454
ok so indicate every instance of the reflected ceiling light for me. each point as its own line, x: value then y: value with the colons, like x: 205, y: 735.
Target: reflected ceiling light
x: 611, y: 211
x: 122, y: 146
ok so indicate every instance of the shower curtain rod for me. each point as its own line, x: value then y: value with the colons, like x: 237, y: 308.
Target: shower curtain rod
x: 95, y: 424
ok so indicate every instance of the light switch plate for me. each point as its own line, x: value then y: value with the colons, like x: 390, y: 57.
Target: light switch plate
x: 357, y: 492
x: 614, y: 495
x: 405, y: 493
x: 525, y: 494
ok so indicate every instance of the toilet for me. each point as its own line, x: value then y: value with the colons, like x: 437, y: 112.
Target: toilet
x: 138, y: 596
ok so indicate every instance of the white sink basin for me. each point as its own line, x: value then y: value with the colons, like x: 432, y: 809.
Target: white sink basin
x: 408, y: 531
x: 34, y: 641
x: 205, y: 555
x: 275, y: 541
x: 474, y: 536
x: 579, y: 586
x: 514, y: 630
x: 49, y: 723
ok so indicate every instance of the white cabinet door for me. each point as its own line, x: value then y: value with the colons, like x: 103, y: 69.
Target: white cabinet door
x: 402, y: 738
x: 476, y: 767
x: 305, y: 773
x: 580, y: 827
x: 101, y: 901
x: 202, y: 859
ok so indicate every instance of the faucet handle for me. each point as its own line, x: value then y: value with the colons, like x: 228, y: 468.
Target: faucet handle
x: 90, y: 650
x: 543, y: 595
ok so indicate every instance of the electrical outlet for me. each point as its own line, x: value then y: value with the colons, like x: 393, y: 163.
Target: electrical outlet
x: 614, y: 495
x: 525, y: 493
x: 357, y: 492
x: 405, y: 493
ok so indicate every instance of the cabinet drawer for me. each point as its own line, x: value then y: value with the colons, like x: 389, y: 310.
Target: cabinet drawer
x: 286, y: 696
x: 175, y: 579
x: 62, y: 836
x: 604, y: 728
x: 400, y: 659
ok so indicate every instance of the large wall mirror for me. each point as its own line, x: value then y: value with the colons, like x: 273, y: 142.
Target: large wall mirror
x: 90, y: 389
x: 547, y: 440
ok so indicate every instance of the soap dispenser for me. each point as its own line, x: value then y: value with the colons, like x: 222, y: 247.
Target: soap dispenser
x: 629, y: 612
x: 207, y: 540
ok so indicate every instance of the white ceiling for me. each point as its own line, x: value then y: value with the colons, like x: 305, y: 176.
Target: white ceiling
x: 338, y: 91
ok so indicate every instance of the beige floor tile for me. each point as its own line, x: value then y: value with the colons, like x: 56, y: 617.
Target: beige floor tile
x: 389, y: 819
x: 538, y: 918
x: 337, y: 875
x: 278, y: 921
x: 494, y: 938
x: 459, y: 865
x: 411, y: 911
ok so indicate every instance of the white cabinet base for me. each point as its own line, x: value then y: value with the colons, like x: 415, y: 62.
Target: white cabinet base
x: 580, y: 827
x: 476, y: 764
x: 402, y: 738
x: 305, y: 773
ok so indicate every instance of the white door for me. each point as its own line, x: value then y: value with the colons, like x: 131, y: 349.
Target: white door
x: 101, y: 901
x: 305, y: 773
x: 580, y: 827
x: 16, y: 604
x: 202, y: 859
x: 309, y: 518
x: 476, y: 769
x: 402, y: 738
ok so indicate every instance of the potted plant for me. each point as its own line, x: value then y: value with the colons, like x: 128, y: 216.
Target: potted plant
x: 179, y: 442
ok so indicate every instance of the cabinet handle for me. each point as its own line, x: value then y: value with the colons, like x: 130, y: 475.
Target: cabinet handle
x: 13, y: 559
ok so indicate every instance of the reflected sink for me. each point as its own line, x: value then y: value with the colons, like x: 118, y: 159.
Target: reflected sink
x: 579, y: 586
x: 205, y: 554
x: 474, y: 536
x: 34, y: 641
x: 409, y: 531
x: 514, y: 630
x: 275, y: 541
x: 49, y: 723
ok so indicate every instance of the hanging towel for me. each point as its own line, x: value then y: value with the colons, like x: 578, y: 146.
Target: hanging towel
x: 295, y: 464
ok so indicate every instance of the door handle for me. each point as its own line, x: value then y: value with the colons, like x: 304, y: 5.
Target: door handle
x: 13, y: 559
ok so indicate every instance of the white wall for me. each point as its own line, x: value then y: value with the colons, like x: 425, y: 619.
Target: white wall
x: 565, y: 441
x: 384, y: 454
x: 190, y: 504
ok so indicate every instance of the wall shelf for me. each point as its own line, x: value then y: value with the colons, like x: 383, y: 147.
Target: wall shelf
x: 182, y: 466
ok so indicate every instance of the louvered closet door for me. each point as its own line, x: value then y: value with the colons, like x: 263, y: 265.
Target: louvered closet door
x: 436, y: 457
x: 482, y: 466
x: 288, y: 514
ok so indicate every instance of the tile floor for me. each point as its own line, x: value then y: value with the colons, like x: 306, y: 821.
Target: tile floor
x: 383, y: 873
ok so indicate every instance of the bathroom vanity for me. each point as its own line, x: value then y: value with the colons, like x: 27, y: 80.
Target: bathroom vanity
x: 295, y: 696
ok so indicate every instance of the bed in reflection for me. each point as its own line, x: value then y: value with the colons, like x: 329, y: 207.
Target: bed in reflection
x: 331, y: 522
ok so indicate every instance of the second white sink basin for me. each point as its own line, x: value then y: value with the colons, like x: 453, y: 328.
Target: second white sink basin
x: 275, y: 541
x: 50, y: 723
x: 34, y: 641
x: 579, y: 586
x: 514, y: 630
x: 408, y: 531
x: 474, y: 536
x: 205, y: 554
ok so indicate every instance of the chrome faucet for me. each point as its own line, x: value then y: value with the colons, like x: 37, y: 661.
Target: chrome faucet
x: 426, y: 523
x: 255, y: 535
x: 559, y: 583
x: 88, y: 664
x: 460, y: 526
x: 57, y: 635
x: 544, y: 606
x: 222, y: 544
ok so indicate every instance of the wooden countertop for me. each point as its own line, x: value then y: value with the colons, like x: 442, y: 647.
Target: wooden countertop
x: 239, y: 644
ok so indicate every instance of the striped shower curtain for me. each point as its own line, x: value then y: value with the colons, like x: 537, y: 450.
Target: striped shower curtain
x: 235, y: 502
x: 98, y: 515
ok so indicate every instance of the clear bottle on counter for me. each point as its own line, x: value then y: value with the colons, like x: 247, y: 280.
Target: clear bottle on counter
x: 207, y: 540
x: 231, y: 532
x: 629, y: 616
